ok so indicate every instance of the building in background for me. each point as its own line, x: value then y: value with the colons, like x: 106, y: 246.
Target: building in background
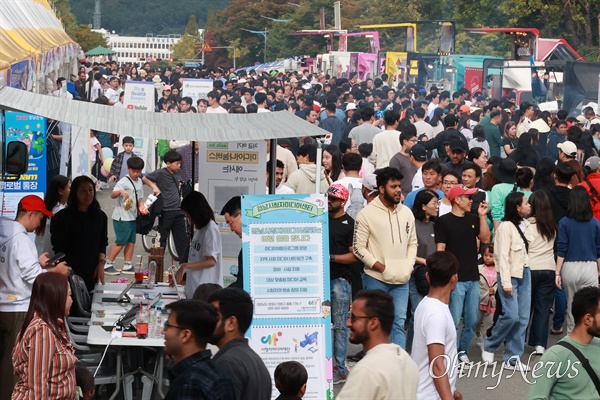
x: 134, y: 49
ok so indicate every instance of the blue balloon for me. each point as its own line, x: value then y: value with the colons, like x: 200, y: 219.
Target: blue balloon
x: 107, y: 153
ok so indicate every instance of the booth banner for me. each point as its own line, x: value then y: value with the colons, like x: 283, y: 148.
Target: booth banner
x: 139, y: 96
x: 196, y: 88
x: 285, y: 244
x: 19, y: 75
x: 80, y: 151
x: 31, y: 130
x: 473, y: 79
x: 231, y: 169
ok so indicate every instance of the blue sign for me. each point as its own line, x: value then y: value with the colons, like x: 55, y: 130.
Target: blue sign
x: 192, y: 65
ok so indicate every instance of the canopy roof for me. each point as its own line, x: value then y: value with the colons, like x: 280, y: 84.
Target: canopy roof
x: 198, y: 127
x: 28, y: 27
x: 100, y: 51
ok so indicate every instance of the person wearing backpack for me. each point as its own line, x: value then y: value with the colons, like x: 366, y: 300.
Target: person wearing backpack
x: 591, y: 183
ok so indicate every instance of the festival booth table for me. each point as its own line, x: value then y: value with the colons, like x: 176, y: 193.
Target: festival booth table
x: 107, y: 313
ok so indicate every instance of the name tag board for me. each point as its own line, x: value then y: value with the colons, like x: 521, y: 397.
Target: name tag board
x: 285, y: 244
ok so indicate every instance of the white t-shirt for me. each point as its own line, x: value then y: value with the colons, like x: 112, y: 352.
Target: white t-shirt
x: 205, y: 243
x: 218, y: 110
x: 417, y: 182
x: 120, y: 213
x: 433, y: 324
x: 112, y: 94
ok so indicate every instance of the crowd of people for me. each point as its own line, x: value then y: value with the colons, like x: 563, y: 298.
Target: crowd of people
x: 446, y: 211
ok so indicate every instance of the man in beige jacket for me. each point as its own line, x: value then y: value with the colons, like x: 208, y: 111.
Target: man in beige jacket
x: 385, y: 240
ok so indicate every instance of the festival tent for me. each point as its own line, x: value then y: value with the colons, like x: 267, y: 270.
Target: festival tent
x: 33, y: 44
x: 189, y: 126
x: 100, y: 51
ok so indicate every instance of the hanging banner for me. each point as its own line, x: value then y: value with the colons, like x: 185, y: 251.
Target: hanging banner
x: 80, y: 151
x: 139, y: 96
x: 19, y: 74
x: 231, y: 169
x: 196, y: 88
x: 285, y: 250
x: 31, y: 130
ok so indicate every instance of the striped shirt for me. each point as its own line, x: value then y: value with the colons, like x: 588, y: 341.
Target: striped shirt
x: 44, y: 364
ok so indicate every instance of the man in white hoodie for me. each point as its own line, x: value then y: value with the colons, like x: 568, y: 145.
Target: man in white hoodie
x: 302, y: 181
x: 19, y: 266
x: 385, y: 240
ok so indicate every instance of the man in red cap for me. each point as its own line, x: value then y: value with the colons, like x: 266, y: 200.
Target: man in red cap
x: 19, y: 266
x: 457, y: 232
x: 341, y: 263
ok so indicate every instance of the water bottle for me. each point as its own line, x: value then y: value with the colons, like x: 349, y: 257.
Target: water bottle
x: 151, y: 322
x: 159, y: 322
x: 152, y: 273
x: 150, y: 200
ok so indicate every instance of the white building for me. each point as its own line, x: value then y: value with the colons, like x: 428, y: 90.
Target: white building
x: 141, y: 49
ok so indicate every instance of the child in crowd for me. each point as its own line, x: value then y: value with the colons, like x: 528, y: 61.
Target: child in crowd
x: 85, y: 383
x: 117, y: 171
x: 129, y: 193
x: 290, y: 380
x: 487, y: 291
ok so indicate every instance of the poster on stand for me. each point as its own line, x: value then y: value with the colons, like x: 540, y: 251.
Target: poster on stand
x: 196, y: 88
x: 80, y: 151
x: 139, y: 96
x: 31, y: 130
x: 231, y: 169
x: 285, y: 245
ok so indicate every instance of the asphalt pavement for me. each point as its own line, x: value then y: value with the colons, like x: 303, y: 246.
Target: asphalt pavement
x: 474, y: 383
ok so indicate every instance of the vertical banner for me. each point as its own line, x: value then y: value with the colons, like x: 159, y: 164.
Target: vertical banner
x: 285, y: 249
x: 231, y: 169
x: 80, y: 151
x: 473, y: 79
x: 139, y: 96
x: 196, y: 88
x: 31, y: 130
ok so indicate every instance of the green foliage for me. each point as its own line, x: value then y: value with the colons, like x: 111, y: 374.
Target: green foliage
x: 189, y: 40
x: 87, y: 39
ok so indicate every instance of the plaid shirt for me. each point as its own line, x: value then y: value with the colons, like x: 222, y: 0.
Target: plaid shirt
x: 198, y: 377
x: 117, y: 164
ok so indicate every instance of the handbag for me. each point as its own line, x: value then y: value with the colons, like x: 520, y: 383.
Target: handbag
x: 144, y: 222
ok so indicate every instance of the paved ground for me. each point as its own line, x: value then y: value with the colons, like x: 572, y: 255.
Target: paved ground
x: 508, y: 385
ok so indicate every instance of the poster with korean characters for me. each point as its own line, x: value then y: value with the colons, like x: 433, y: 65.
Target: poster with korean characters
x: 285, y: 245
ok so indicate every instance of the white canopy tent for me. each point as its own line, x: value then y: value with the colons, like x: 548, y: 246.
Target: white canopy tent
x: 197, y: 127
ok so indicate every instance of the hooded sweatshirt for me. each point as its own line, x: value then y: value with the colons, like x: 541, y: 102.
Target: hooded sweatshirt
x: 19, y: 266
x: 303, y: 180
x: 386, y: 236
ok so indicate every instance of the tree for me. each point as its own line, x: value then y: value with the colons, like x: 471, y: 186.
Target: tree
x: 83, y: 35
x: 186, y: 47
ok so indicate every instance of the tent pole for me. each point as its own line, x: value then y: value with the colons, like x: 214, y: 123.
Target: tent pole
x: 273, y: 169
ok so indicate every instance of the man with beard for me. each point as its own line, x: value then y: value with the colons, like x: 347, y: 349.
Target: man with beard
x: 195, y: 376
x: 387, y: 371
x: 341, y: 264
x: 385, y: 240
x: 249, y: 375
x: 572, y: 380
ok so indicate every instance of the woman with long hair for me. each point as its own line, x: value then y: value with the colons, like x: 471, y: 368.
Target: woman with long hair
x: 56, y: 198
x: 543, y: 179
x: 80, y: 231
x: 43, y: 357
x: 525, y: 155
x: 437, y: 121
x: 479, y: 139
x: 578, y: 248
x: 205, y: 261
x: 542, y: 230
x: 509, y: 139
x: 425, y: 208
x: 511, y: 247
x: 332, y: 162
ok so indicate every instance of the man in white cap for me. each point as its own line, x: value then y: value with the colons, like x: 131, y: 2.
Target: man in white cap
x: 592, y: 183
x: 566, y: 151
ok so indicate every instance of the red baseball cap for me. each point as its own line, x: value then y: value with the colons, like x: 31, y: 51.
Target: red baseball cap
x: 460, y: 190
x: 34, y: 203
x: 338, y: 191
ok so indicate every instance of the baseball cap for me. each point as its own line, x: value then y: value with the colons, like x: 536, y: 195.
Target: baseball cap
x: 350, y: 106
x: 540, y: 125
x: 166, y: 87
x: 465, y: 109
x: 568, y: 148
x: 34, y: 203
x: 422, y: 90
x: 419, y: 152
x: 581, y: 119
x: 370, y: 182
x: 338, y: 191
x: 460, y: 190
x: 593, y: 163
x: 458, y: 145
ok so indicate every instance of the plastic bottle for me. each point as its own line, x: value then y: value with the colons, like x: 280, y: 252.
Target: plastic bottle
x: 152, y: 322
x: 159, y: 322
x: 152, y: 272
